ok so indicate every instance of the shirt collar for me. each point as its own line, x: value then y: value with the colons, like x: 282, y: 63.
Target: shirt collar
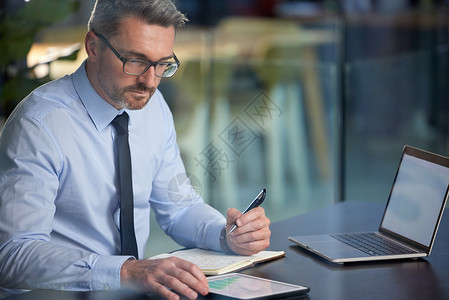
x: 100, y: 111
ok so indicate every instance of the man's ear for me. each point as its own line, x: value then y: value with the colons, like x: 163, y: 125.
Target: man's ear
x: 92, y: 45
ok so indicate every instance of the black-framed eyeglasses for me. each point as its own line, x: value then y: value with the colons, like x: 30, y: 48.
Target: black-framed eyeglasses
x: 162, y: 68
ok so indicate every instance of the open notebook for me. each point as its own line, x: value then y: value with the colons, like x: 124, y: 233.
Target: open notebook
x: 216, y: 263
x: 410, y: 221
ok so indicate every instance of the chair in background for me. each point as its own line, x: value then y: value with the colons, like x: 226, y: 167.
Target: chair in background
x: 204, y: 81
x: 283, y: 57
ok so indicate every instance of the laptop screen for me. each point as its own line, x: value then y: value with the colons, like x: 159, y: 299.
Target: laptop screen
x: 416, y: 199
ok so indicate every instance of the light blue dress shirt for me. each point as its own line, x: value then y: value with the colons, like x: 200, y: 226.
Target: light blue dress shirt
x: 59, y: 205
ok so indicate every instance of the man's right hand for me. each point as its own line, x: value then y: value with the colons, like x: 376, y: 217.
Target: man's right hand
x: 160, y: 275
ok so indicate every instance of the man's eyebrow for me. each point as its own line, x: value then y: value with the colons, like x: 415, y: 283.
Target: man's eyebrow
x: 143, y: 56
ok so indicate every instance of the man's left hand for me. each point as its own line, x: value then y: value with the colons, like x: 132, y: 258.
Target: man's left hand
x: 252, y: 234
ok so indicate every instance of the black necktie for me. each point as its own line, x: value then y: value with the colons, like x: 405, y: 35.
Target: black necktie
x: 127, y: 234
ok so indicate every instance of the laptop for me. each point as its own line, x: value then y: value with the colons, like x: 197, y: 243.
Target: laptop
x: 410, y: 220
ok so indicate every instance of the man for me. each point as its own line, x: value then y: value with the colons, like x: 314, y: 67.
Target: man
x: 60, y: 190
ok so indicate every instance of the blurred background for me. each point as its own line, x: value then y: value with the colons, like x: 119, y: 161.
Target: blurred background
x: 313, y: 100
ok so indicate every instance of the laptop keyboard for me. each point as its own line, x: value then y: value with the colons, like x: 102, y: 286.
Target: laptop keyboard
x: 371, y: 243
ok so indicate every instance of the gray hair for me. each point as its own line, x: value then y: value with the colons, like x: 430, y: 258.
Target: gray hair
x: 107, y: 14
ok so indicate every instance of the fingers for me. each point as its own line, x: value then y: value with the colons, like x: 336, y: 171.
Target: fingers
x: 252, y: 234
x: 251, y: 242
x: 253, y: 220
x: 161, y: 275
x: 232, y: 216
x: 191, y: 275
x: 186, y: 279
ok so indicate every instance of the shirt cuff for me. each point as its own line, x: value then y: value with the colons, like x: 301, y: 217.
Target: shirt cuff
x: 106, y: 272
x: 213, y: 235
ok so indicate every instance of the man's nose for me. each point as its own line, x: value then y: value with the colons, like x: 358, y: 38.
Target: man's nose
x: 149, y: 78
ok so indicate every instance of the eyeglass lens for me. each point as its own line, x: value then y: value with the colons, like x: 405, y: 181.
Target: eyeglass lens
x: 138, y: 67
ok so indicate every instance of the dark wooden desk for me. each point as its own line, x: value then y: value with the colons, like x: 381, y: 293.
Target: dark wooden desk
x: 405, y: 279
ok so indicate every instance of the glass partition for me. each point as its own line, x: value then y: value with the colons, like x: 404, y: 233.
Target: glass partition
x: 255, y: 107
x: 395, y: 93
x: 312, y: 100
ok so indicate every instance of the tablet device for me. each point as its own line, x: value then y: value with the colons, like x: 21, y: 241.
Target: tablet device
x: 241, y: 286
